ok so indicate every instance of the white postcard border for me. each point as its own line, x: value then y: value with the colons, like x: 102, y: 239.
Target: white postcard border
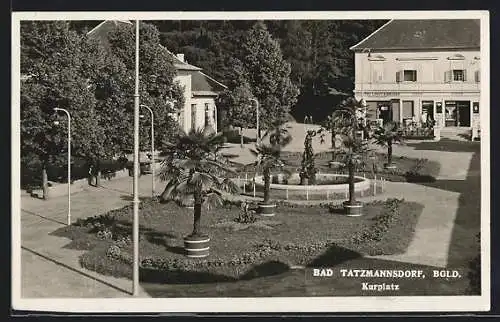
x: 276, y: 304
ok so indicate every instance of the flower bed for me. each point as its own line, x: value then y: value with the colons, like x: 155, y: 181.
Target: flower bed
x: 297, y: 236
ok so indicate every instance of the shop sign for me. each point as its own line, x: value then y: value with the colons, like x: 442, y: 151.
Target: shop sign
x: 382, y: 94
x: 475, y: 107
x: 439, y: 107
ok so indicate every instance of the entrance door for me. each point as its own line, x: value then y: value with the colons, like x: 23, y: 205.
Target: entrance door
x: 463, y: 108
x: 428, y: 108
x: 450, y: 113
x: 384, y: 111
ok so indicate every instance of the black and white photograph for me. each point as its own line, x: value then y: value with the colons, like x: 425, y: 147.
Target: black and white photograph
x: 250, y: 162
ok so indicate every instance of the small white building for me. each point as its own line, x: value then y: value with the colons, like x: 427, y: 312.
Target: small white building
x: 420, y: 70
x: 200, y: 90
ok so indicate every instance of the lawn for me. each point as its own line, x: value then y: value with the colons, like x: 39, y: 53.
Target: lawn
x: 297, y: 235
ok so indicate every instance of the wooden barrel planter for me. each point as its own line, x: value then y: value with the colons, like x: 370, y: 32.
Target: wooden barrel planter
x: 189, y: 203
x: 390, y: 166
x: 266, y: 209
x: 197, y: 246
x: 353, y: 210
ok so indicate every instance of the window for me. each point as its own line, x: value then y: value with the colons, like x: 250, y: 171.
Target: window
x: 407, y: 75
x: 207, y: 115
x: 180, y: 118
x: 459, y: 75
x: 377, y: 72
x: 410, y: 75
x: 477, y: 76
x: 193, y: 116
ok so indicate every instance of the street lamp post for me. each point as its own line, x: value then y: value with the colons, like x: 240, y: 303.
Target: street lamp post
x: 152, y: 149
x: 215, y: 118
x: 257, y: 112
x: 69, y: 161
x: 363, y: 103
x: 135, y: 285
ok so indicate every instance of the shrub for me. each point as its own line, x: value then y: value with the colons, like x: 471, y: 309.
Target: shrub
x: 415, y: 173
x: 246, y: 215
x: 113, y: 251
x: 383, y: 222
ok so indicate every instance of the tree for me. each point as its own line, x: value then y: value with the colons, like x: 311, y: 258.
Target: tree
x: 297, y: 48
x: 238, y: 106
x: 55, y: 62
x: 318, y: 52
x: 355, y: 148
x: 269, y: 158
x: 268, y: 75
x: 386, y: 136
x: 194, y: 168
x: 157, y: 87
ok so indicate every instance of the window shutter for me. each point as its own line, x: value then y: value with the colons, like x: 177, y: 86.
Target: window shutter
x: 478, y: 76
x: 447, y: 76
x: 465, y: 75
x: 416, y: 76
x: 398, y: 77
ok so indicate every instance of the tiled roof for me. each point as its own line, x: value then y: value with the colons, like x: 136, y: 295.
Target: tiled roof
x: 204, y: 85
x: 100, y: 32
x: 201, y: 84
x: 424, y: 34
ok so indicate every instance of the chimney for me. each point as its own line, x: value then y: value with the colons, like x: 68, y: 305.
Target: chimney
x: 180, y: 57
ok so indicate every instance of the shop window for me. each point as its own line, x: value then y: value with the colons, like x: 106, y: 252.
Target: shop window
x: 407, y: 110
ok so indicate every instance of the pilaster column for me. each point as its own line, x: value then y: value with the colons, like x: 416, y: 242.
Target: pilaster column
x: 400, y: 110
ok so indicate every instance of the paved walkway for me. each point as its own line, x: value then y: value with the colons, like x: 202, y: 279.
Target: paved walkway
x: 434, y: 229
x: 459, y: 160
x: 50, y: 270
x: 431, y: 241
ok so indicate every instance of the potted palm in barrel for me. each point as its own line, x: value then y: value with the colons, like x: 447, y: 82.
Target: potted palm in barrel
x: 193, y: 169
x: 354, y: 149
x: 269, y: 158
x: 386, y: 136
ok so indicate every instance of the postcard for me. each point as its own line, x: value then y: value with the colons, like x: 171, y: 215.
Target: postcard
x: 318, y: 161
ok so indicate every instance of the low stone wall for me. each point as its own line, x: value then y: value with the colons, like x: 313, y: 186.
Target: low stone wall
x: 58, y: 189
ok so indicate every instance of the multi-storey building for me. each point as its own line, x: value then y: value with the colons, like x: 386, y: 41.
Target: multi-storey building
x: 200, y: 90
x: 421, y: 70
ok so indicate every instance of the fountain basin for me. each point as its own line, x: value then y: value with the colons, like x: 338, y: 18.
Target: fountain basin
x: 334, y: 183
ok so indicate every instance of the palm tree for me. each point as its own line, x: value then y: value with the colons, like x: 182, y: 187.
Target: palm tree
x: 193, y: 168
x: 269, y: 157
x: 354, y: 148
x: 353, y: 155
x: 388, y: 135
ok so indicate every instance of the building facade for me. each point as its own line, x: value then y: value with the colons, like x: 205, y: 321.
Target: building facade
x: 200, y: 90
x: 421, y: 71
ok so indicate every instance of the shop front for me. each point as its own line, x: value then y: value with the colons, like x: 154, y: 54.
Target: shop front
x: 457, y: 113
